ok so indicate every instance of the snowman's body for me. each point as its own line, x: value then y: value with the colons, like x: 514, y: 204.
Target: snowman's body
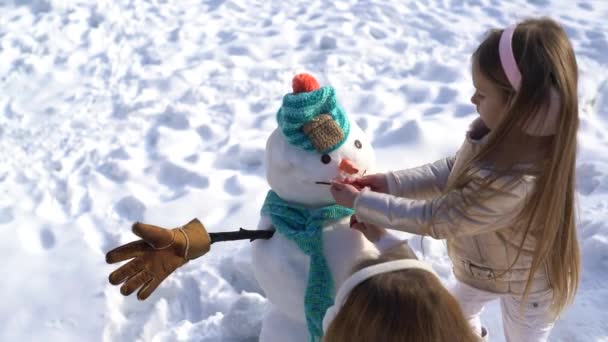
x: 282, y: 271
x: 280, y: 267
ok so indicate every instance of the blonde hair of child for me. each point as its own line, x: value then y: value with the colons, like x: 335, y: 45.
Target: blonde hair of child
x: 409, y: 305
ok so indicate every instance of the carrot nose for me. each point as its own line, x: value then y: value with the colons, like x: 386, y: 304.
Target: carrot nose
x: 348, y: 167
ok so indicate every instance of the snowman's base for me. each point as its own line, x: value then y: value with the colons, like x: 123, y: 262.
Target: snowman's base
x: 277, y: 327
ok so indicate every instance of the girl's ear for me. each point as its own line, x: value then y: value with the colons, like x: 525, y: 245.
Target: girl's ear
x: 544, y: 121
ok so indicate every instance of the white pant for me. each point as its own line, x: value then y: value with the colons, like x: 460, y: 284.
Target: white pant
x: 533, y: 323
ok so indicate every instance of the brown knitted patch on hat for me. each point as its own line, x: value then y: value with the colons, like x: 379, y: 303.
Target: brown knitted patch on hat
x: 324, y: 132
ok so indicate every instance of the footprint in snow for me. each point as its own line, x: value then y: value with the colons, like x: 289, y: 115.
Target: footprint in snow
x: 175, y: 176
x: 173, y: 119
x: 130, y: 208
x: 113, y: 172
x: 47, y: 238
x: 6, y: 215
x: 234, y: 186
x: 408, y: 133
x: 587, y: 178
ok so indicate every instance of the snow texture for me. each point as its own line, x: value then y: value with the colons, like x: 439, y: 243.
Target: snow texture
x: 112, y: 111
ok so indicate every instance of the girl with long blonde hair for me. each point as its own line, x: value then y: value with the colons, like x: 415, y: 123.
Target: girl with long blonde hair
x: 505, y: 202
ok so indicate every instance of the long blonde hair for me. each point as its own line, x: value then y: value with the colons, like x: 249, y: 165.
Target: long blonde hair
x: 409, y: 305
x: 546, y: 59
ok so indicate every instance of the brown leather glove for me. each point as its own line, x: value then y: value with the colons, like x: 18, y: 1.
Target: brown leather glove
x: 159, y: 253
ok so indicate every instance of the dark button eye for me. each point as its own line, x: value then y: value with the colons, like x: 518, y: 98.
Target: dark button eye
x: 325, y: 159
x: 358, y: 144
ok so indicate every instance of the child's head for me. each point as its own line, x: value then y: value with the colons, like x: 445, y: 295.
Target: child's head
x: 527, y: 74
x: 406, y: 304
x: 527, y: 77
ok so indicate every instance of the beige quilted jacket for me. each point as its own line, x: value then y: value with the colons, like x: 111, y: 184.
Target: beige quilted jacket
x: 482, y: 239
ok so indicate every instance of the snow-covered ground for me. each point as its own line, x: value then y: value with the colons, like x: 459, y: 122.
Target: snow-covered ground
x: 158, y: 110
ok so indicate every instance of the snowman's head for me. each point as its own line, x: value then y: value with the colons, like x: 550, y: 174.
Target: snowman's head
x: 314, y: 144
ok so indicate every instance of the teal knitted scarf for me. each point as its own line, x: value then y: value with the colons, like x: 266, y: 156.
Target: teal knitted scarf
x: 305, y: 227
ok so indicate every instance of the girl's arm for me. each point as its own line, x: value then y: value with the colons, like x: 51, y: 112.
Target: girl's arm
x: 422, y: 182
x: 465, y: 211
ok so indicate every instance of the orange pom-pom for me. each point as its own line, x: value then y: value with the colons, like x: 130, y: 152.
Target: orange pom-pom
x: 304, y: 83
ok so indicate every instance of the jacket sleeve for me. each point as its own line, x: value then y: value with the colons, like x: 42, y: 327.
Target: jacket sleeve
x: 422, y: 182
x: 467, y: 211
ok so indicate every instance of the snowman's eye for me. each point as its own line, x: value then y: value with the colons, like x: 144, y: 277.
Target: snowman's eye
x: 358, y: 144
x: 325, y: 159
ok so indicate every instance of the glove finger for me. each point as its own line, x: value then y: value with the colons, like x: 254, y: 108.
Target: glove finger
x: 157, y: 237
x: 126, y: 252
x: 147, y: 290
x: 125, y: 271
x: 135, y: 282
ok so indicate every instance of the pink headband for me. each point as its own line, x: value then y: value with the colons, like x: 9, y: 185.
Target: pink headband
x: 507, y: 59
x: 543, y: 122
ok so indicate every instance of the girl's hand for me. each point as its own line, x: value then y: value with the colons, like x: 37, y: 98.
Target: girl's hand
x: 372, y: 232
x: 377, y: 182
x: 344, y: 194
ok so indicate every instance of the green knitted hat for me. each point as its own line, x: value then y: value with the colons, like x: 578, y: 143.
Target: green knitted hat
x: 311, y: 118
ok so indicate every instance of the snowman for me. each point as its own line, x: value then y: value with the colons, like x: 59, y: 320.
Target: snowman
x: 314, y: 249
x: 304, y: 247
